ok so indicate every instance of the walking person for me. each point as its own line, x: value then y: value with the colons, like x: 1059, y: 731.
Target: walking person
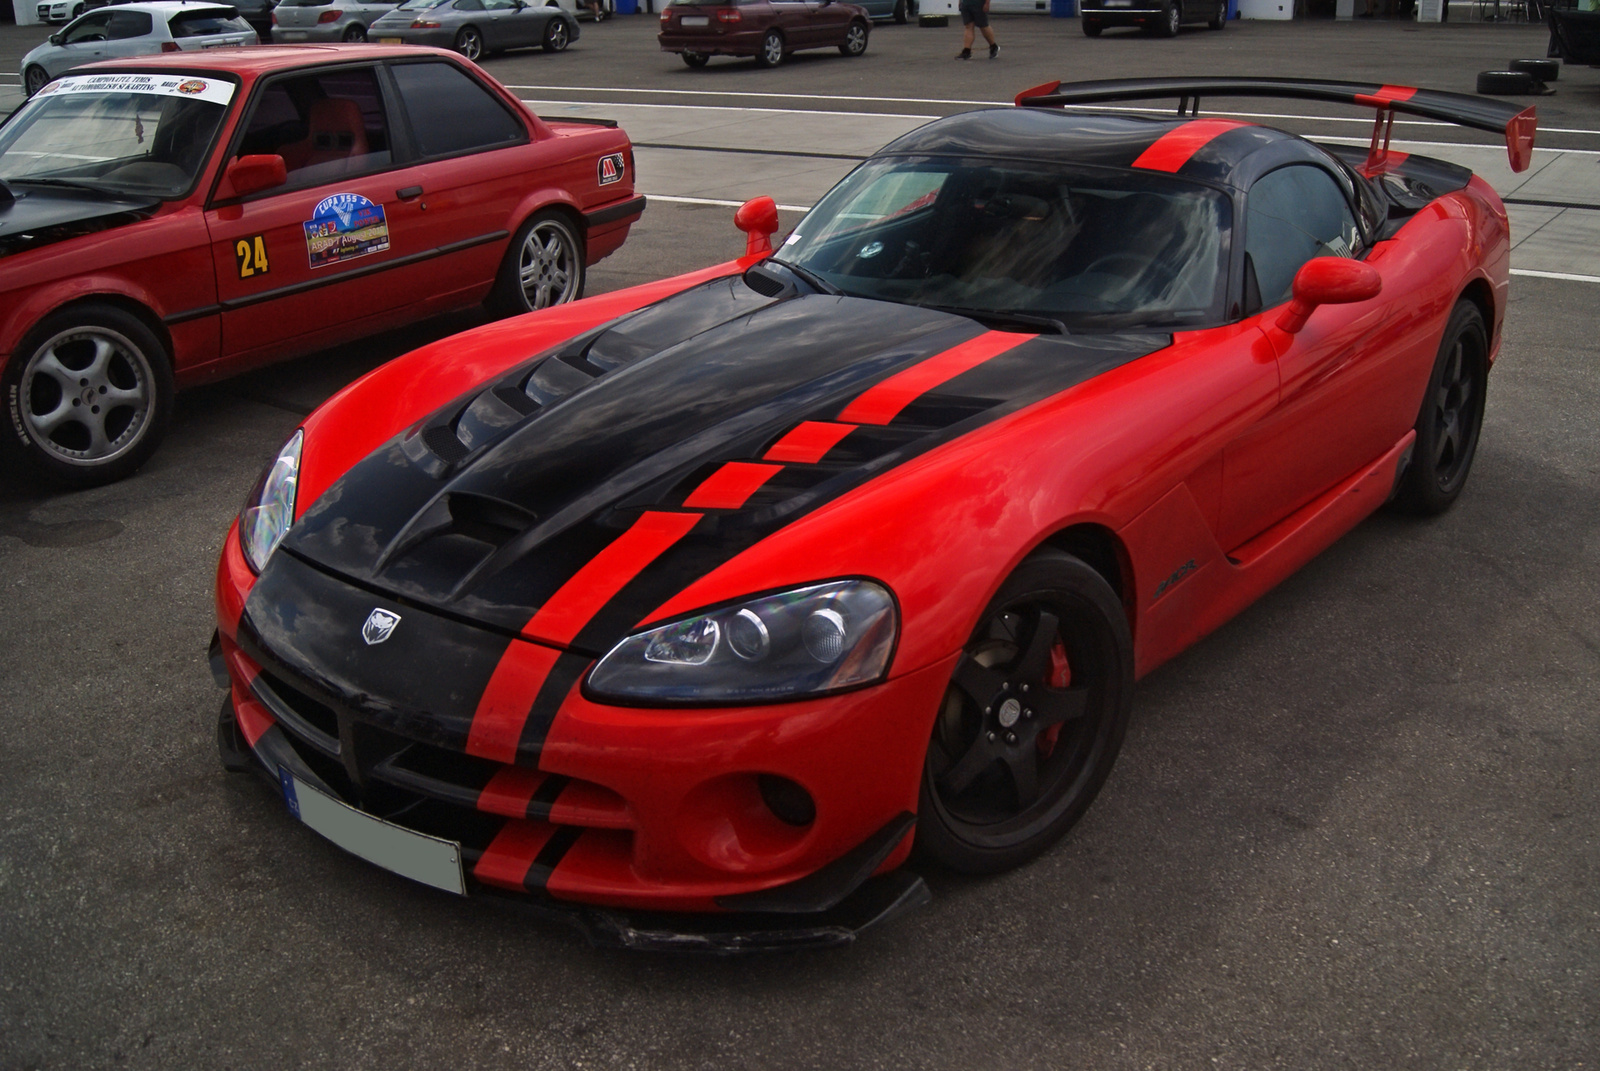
x: 975, y: 15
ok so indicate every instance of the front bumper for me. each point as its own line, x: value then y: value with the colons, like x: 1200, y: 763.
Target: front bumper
x: 621, y: 810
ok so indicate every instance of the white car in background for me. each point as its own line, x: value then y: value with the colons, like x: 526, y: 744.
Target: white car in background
x: 135, y: 30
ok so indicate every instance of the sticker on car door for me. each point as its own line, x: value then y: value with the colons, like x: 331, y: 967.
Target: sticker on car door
x: 343, y: 227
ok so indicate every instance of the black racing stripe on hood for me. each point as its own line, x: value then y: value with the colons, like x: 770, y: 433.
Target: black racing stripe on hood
x: 1004, y: 384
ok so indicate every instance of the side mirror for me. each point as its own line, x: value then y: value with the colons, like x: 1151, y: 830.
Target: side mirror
x: 1328, y: 281
x: 758, y: 218
x: 252, y: 174
x: 56, y: 39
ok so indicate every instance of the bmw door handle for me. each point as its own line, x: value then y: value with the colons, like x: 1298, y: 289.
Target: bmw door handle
x: 409, y: 193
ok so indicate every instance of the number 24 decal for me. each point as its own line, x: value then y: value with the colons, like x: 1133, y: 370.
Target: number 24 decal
x: 252, y: 256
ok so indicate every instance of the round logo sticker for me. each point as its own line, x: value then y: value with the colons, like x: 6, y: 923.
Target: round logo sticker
x: 193, y: 86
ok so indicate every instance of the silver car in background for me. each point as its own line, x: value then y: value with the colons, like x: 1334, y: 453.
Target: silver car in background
x: 134, y: 30
x: 476, y: 27
x: 325, y: 20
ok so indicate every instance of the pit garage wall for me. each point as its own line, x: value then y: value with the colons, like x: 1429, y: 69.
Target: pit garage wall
x: 27, y: 12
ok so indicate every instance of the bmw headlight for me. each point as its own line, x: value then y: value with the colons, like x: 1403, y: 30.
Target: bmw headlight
x: 269, y: 511
x: 808, y: 641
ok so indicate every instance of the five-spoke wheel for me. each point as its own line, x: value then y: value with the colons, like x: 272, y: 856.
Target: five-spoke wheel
x: 556, y: 35
x: 469, y: 42
x: 1032, y: 720
x: 1452, y: 415
x: 87, y: 396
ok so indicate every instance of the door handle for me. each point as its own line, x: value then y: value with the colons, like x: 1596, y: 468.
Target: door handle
x: 408, y: 193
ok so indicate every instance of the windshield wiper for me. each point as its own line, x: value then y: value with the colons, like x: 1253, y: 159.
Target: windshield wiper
x: 69, y: 184
x: 1002, y: 318
x: 816, y: 281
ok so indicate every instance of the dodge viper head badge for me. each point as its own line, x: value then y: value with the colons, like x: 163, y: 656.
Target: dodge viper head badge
x: 1518, y: 125
x: 379, y: 626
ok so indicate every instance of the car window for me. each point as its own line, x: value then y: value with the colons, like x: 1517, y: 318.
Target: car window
x: 205, y: 23
x: 500, y: 5
x: 421, y: 5
x: 468, y: 5
x: 1095, y: 248
x: 125, y: 24
x: 89, y: 28
x: 1292, y: 215
x: 450, y: 112
x: 324, y: 125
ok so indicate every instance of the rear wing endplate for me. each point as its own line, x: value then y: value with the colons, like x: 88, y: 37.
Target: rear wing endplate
x: 1516, y: 124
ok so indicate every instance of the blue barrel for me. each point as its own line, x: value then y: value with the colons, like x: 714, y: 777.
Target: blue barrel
x: 1063, y: 9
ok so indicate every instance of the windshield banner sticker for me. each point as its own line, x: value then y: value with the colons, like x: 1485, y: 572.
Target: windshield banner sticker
x: 212, y: 90
x: 343, y: 227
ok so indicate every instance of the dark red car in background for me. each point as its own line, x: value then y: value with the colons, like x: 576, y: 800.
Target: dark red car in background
x: 171, y: 220
x: 767, y: 29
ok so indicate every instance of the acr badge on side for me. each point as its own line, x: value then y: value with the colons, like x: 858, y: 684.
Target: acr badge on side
x: 410, y: 854
x: 343, y: 227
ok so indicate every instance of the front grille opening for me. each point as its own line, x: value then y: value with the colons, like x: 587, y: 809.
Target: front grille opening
x: 301, y: 713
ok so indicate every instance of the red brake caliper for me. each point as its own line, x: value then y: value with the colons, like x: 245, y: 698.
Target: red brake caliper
x: 1060, y: 677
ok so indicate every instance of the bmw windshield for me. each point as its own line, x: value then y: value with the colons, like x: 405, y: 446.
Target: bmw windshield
x: 127, y: 134
x: 1094, y: 248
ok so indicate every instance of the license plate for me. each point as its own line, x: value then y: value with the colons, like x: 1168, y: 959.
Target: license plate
x: 291, y: 35
x: 222, y: 44
x: 1119, y: 3
x: 410, y: 854
x: 695, y: 20
x: 390, y: 41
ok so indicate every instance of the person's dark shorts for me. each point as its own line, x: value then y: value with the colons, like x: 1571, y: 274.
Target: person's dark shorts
x: 973, y: 14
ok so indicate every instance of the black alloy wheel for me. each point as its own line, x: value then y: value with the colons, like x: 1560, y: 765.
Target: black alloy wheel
x: 1091, y: 29
x: 855, y: 40
x: 694, y: 59
x: 469, y: 42
x: 355, y: 33
x: 556, y: 35
x: 34, y: 80
x: 771, y: 53
x: 1032, y: 721
x: 88, y: 395
x: 1451, y: 419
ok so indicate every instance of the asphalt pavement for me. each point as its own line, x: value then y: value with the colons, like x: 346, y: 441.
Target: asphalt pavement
x: 1354, y: 828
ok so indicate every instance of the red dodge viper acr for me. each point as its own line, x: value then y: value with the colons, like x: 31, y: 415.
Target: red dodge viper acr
x: 699, y: 605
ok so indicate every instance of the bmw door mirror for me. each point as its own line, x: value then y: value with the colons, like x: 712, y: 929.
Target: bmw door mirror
x: 1328, y: 281
x: 252, y: 174
x: 758, y: 218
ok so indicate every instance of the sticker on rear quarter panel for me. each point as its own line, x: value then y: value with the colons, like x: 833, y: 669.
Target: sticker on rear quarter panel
x: 610, y: 169
x: 343, y: 227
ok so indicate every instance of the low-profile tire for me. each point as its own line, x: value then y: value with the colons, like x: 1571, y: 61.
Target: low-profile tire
x: 469, y: 42
x: 544, y: 266
x: 1543, y: 70
x: 34, y: 79
x: 1171, y: 20
x: 556, y: 35
x: 1091, y: 29
x: 1508, y: 83
x: 855, y: 39
x: 694, y: 59
x: 1032, y: 720
x: 771, y: 51
x: 355, y: 33
x: 1220, y: 22
x: 1451, y: 419
x: 902, y: 11
x: 87, y: 397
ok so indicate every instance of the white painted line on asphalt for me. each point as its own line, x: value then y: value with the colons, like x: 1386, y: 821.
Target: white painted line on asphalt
x: 989, y: 103
x: 724, y: 108
x: 715, y: 201
x: 1556, y: 275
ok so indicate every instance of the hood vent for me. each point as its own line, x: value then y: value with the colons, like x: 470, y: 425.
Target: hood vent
x: 461, y: 518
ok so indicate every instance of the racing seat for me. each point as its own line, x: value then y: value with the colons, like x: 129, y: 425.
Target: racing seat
x: 335, y: 133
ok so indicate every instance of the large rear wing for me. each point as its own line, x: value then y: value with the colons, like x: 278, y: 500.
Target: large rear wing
x: 1480, y: 113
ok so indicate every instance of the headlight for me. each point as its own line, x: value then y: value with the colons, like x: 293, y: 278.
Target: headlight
x: 790, y: 645
x: 269, y: 511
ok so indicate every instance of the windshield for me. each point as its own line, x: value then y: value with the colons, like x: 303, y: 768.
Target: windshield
x: 124, y: 134
x: 1091, y: 247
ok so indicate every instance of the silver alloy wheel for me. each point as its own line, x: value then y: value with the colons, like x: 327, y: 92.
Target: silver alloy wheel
x: 355, y: 33
x: 1174, y: 20
x: 85, y: 396
x: 555, y: 36
x: 469, y: 42
x: 772, y: 49
x: 855, y: 39
x: 36, y: 80
x: 547, y: 265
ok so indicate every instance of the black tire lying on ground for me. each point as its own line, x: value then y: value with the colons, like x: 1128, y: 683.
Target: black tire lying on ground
x: 1544, y: 70
x: 1509, y: 83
